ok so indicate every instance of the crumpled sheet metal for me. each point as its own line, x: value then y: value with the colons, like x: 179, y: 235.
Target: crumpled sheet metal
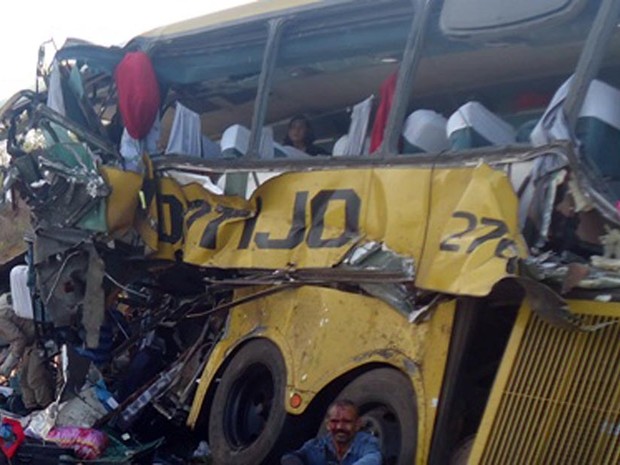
x: 65, y: 189
x: 369, y: 266
x: 548, y: 172
x: 472, y: 240
x: 376, y: 256
x: 76, y: 404
x: 599, y: 275
x: 93, y: 304
x: 458, y: 224
x: 70, y: 274
x: 552, y: 308
x: 59, y: 278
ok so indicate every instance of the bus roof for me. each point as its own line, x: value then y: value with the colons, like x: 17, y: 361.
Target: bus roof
x: 231, y: 42
x: 333, y: 55
x: 256, y: 10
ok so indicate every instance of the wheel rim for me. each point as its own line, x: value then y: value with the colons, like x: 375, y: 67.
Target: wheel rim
x: 248, y: 406
x: 382, y: 422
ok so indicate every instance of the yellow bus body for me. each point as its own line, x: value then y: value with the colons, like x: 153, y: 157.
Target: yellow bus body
x: 324, y: 334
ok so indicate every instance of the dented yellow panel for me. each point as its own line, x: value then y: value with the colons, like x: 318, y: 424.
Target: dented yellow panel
x: 458, y: 225
x: 123, y: 199
x: 473, y: 236
x: 312, y: 219
x: 307, y: 325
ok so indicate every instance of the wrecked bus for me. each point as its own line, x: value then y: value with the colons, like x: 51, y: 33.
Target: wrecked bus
x: 451, y: 266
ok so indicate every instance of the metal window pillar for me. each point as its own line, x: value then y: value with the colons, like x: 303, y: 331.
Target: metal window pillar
x: 264, y: 85
x: 406, y: 74
x: 590, y: 59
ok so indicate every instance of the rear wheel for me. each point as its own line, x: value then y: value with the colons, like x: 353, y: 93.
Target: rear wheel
x: 247, y: 414
x: 387, y: 406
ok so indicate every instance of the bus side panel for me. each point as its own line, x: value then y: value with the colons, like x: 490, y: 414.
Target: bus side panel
x: 473, y: 238
x: 324, y: 333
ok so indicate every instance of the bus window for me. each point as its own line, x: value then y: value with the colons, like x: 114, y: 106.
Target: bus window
x: 327, y: 66
x: 219, y: 86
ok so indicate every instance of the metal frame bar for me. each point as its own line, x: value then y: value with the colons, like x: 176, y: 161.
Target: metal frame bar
x: 490, y: 155
x: 406, y: 74
x: 590, y: 59
x: 270, y: 59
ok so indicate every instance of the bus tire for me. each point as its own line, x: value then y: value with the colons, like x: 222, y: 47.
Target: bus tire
x: 387, y: 405
x: 247, y: 413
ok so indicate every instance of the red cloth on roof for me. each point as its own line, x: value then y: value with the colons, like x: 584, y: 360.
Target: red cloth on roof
x: 138, y: 93
x: 387, y: 95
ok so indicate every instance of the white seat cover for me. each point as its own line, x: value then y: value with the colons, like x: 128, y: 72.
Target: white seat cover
x: 426, y: 130
x: 474, y: 115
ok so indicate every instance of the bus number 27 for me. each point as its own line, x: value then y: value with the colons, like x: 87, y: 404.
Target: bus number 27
x: 498, y: 229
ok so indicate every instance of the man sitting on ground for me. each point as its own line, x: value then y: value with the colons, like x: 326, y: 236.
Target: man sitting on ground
x: 344, y: 444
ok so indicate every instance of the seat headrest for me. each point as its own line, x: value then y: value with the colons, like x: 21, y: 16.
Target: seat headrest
x: 426, y: 130
x: 474, y: 115
x: 602, y: 102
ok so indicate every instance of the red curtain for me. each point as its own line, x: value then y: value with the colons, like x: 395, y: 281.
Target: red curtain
x: 387, y: 95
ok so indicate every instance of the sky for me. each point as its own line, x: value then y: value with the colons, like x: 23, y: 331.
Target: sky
x: 26, y: 24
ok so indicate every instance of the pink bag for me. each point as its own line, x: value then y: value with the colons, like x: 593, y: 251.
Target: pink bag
x: 87, y: 443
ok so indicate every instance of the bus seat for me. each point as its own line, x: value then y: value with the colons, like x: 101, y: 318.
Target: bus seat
x: 473, y: 125
x: 236, y: 138
x: 358, y: 130
x: 234, y: 141
x: 550, y: 127
x: 524, y: 131
x: 356, y: 141
x: 598, y: 129
x: 210, y: 149
x: 425, y: 131
x: 185, y: 134
x: 341, y: 146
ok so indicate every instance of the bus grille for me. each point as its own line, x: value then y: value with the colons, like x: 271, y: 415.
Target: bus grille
x: 561, y: 403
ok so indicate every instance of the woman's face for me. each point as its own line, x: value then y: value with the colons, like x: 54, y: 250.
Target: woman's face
x: 297, y: 132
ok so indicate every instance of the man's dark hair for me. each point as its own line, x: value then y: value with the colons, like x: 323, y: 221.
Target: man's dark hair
x: 344, y: 403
